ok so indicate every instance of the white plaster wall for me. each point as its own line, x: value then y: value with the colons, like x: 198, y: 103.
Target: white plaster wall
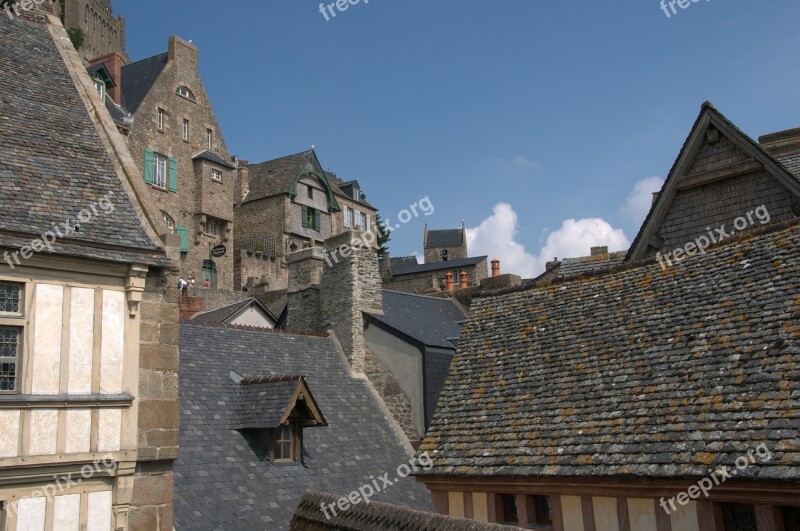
x: 9, y: 433
x: 81, y: 338
x: 99, y: 514
x: 108, y: 430
x: 572, y: 513
x: 47, y: 338
x: 642, y: 514
x: 31, y: 514
x: 112, y: 349
x: 605, y: 514
x: 253, y: 317
x: 79, y: 431
x: 44, y: 432
x: 685, y: 518
x: 66, y: 512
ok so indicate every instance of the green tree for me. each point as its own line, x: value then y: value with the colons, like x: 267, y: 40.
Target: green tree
x: 76, y: 36
x: 384, y: 235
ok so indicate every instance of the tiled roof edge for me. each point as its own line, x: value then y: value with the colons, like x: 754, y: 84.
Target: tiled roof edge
x: 272, y: 379
x: 245, y: 328
x: 772, y: 227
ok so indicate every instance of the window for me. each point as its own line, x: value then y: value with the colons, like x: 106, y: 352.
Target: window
x: 739, y: 518
x: 185, y: 130
x: 11, y: 306
x: 540, y: 512
x: 212, y: 228
x: 184, y: 92
x: 456, y: 277
x: 100, y: 87
x: 160, y: 119
x: 286, y: 443
x: 310, y: 192
x: 363, y: 221
x: 159, y: 170
x: 310, y: 218
x: 169, y: 222
x: 445, y: 255
x: 348, y: 217
x: 216, y: 175
x: 209, y: 139
x: 506, y: 508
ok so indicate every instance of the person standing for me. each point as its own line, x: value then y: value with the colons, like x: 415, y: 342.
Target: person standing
x: 184, y: 287
x: 207, y: 283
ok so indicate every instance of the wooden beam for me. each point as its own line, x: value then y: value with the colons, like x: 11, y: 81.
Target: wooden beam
x: 769, y: 518
x: 718, y: 174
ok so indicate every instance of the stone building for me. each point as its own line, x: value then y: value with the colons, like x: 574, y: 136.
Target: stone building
x: 606, y: 400
x: 406, y: 275
x: 287, y: 204
x: 444, y: 245
x: 103, y: 32
x: 161, y: 106
x: 88, y: 335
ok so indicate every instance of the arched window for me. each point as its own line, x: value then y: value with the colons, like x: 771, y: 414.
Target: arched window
x: 185, y: 92
x: 169, y: 222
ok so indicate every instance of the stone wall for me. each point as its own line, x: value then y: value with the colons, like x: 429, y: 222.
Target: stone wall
x: 103, y: 32
x: 303, y: 293
x: 396, y: 401
x: 159, y: 412
x: 435, y: 281
x: 260, y: 227
x: 248, y: 265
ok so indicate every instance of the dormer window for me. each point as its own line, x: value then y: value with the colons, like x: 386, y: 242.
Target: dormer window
x: 100, y: 87
x: 280, y: 407
x: 185, y: 92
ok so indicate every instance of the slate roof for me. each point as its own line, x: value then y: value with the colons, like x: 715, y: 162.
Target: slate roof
x: 444, y: 238
x: 276, y: 177
x: 265, y: 401
x: 791, y: 163
x: 213, y: 157
x: 138, y: 78
x: 378, y: 516
x: 224, y: 314
x: 429, y: 320
x: 636, y: 371
x: 53, y: 162
x: 583, y: 264
x: 411, y: 269
x: 222, y: 477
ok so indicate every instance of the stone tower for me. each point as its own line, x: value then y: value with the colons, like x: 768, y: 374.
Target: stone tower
x: 103, y: 33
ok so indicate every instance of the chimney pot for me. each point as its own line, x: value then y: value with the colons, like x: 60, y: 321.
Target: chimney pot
x: 495, y: 267
x: 449, y: 280
x: 464, y: 282
x: 597, y: 251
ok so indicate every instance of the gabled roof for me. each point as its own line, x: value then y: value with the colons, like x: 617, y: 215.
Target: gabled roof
x: 444, y: 238
x: 54, y: 163
x: 280, y: 176
x: 272, y: 401
x: 428, y: 320
x: 213, y: 157
x: 410, y: 269
x: 224, y: 478
x: 709, y: 116
x: 638, y: 371
x: 226, y: 314
x: 377, y: 516
x: 139, y: 77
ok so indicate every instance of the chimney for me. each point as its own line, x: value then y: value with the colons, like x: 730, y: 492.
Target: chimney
x: 781, y: 143
x: 303, y: 293
x: 463, y: 281
x: 449, y: 280
x: 656, y: 195
x: 351, y: 284
x: 241, y: 184
x: 597, y: 251
x: 113, y: 63
x: 184, y: 54
x: 495, y: 267
x: 552, y: 264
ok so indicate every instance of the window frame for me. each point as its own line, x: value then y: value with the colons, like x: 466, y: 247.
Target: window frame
x: 16, y: 321
x: 348, y: 217
x: 286, y: 434
x: 310, y: 192
x: 504, y: 503
x: 218, y: 173
x: 728, y: 510
x: 185, y: 92
x: 186, y: 128
x: 169, y: 221
x: 161, y: 184
x: 160, y: 119
x: 209, y: 139
x: 214, y: 226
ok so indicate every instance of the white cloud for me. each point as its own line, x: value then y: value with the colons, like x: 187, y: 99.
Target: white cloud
x: 495, y: 237
x: 639, y: 200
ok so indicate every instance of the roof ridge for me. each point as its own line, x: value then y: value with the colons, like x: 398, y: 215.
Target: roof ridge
x: 448, y: 299
x: 245, y: 328
x: 272, y: 379
x: 602, y: 271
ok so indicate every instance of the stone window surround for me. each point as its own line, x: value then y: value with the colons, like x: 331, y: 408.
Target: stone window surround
x: 17, y: 320
x: 186, y: 93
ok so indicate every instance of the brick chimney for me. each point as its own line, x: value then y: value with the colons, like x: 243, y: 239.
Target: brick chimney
x: 113, y: 63
x: 781, y: 143
x: 597, y: 251
x: 351, y: 284
x: 495, y: 267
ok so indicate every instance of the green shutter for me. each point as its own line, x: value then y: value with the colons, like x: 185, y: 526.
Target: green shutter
x: 316, y: 220
x: 148, y: 166
x: 173, y: 175
x: 305, y: 217
x: 183, y: 232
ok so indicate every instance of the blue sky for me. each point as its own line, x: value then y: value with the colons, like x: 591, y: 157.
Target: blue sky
x: 515, y: 116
